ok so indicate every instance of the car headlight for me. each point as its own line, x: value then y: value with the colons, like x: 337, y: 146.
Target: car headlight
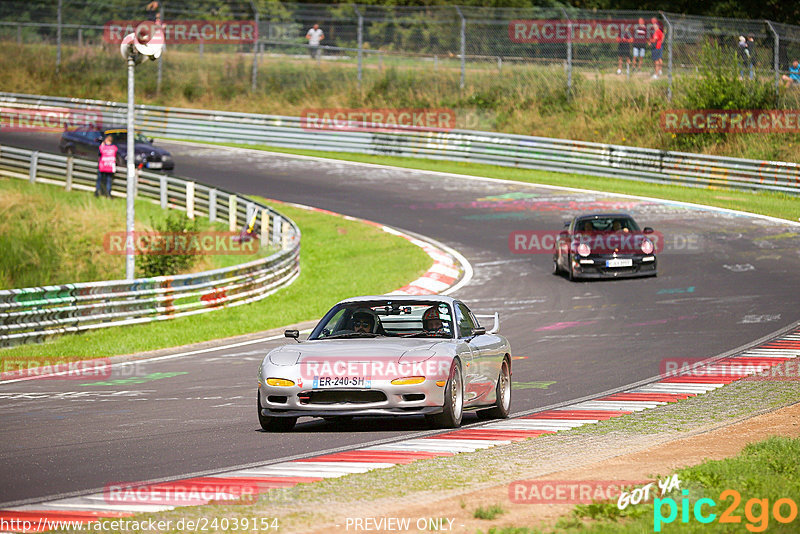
x: 138, y: 157
x: 647, y: 246
x: 584, y: 250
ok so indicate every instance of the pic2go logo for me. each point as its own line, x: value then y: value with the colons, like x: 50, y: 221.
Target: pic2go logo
x: 757, y: 522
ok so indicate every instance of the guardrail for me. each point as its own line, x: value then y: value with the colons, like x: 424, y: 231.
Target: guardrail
x: 32, y: 314
x: 558, y: 155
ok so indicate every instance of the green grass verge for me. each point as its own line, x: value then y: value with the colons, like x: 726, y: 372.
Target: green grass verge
x: 761, y: 474
x: 339, y: 259
x: 50, y: 236
x: 779, y: 205
x: 523, y: 98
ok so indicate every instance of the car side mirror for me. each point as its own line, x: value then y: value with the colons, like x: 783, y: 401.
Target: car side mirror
x: 566, y: 224
x: 478, y: 331
x: 98, y: 139
x: 648, y: 230
x: 150, y: 140
x: 294, y: 334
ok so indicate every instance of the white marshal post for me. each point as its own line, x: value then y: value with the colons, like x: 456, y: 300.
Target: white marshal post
x: 146, y: 42
x: 130, y: 265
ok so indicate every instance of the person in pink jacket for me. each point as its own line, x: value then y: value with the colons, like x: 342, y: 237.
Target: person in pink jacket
x: 106, y: 167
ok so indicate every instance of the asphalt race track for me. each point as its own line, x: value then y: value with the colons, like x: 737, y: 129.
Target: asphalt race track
x: 725, y: 280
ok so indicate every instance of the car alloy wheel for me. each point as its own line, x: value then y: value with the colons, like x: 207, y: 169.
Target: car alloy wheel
x: 453, y: 408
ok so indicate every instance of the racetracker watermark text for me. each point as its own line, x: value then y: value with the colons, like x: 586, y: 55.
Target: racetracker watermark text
x: 566, y: 491
x: 188, y: 31
x: 56, y: 370
x: 575, y: 31
x: 47, y: 119
x: 178, y: 243
x: 378, y: 120
x: 730, y: 120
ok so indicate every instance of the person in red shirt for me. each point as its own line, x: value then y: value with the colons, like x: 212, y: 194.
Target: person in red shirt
x: 106, y: 167
x: 656, y: 41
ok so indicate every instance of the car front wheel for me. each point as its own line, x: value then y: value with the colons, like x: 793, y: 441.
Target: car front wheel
x: 275, y: 424
x: 453, y: 401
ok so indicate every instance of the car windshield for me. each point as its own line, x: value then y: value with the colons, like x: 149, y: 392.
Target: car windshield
x: 606, y: 224
x: 386, y: 318
x: 121, y: 137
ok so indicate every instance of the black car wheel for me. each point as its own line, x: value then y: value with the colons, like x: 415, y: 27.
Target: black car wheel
x: 69, y: 151
x: 274, y: 424
x: 556, y: 268
x: 453, y: 401
x: 502, y: 405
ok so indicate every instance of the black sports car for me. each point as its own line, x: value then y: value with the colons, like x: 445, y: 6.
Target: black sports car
x: 85, y: 141
x: 608, y: 245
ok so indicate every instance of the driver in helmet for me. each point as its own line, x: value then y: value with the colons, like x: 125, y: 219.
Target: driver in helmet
x: 363, y: 322
x: 431, y: 322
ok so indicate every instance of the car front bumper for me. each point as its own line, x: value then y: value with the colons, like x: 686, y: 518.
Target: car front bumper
x: 381, y: 398
x: 641, y: 266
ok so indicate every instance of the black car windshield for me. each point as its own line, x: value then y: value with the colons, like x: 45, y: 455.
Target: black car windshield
x: 386, y: 318
x: 121, y: 137
x: 606, y: 224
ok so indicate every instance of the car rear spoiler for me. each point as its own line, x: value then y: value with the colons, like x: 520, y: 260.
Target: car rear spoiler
x: 496, y: 317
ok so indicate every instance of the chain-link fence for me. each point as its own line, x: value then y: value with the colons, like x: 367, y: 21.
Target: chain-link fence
x: 555, y: 49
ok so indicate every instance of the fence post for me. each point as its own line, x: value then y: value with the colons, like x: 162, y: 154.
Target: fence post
x: 254, y: 81
x: 212, y: 205
x: 232, y: 213
x: 200, y: 49
x: 671, y: 33
x: 285, y: 236
x: 463, y: 44
x: 160, y: 58
x: 777, y: 56
x: 360, y: 42
x: 80, y: 37
x: 569, y: 52
x: 276, y: 229
x: 190, y: 200
x: 34, y: 164
x: 58, y: 36
x: 264, y: 227
x: 68, y: 185
x: 162, y: 189
x: 19, y: 33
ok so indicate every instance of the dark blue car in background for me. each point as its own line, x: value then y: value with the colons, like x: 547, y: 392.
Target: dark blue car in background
x: 85, y: 141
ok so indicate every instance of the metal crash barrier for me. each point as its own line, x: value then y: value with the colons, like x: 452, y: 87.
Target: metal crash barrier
x: 32, y: 314
x: 557, y: 155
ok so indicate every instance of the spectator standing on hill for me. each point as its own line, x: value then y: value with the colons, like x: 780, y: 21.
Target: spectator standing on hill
x: 624, y: 40
x: 314, y: 36
x: 106, y: 167
x: 751, y: 54
x: 152, y: 9
x: 639, y: 43
x: 657, y: 40
x: 744, y: 56
x: 794, y: 75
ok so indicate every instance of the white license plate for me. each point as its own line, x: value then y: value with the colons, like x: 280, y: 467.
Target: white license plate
x: 153, y: 164
x: 323, y: 382
x: 619, y: 262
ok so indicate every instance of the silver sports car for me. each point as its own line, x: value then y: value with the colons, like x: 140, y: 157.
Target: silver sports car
x: 389, y: 355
